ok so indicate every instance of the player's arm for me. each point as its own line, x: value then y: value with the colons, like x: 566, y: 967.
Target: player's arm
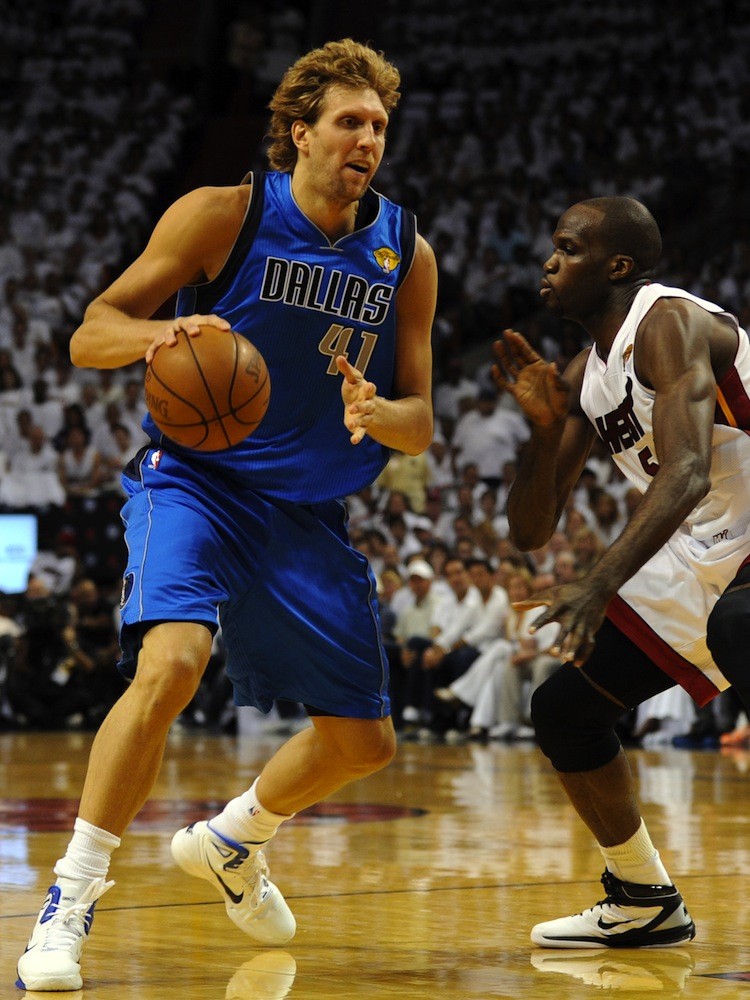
x: 561, y: 437
x: 190, y: 242
x: 404, y: 422
x: 673, y: 357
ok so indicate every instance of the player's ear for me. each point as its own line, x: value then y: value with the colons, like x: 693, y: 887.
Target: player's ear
x: 621, y: 266
x: 299, y: 133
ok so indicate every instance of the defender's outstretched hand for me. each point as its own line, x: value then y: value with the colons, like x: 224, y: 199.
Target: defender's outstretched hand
x: 358, y: 396
x: 536, y: 384
x: 579, y: 607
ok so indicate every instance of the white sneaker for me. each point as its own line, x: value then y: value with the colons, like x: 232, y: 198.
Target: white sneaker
x: 631, y: 916
x: 268, y: 976
x: 252, y: 901
x: 51, y: 960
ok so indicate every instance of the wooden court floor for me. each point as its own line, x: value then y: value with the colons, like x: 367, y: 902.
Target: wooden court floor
x: 420, y: 882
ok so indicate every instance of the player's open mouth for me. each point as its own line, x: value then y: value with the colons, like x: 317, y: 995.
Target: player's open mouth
x: 358, y: 167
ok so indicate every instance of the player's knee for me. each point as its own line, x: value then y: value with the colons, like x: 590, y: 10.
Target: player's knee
x: 574, y: 724
x: 728, y: 635
x: 372, y: 749
x: 167, y: 686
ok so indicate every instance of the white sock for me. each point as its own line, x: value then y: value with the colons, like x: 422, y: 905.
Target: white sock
x: 88, y: 855
x: 637, y: 860
x: 245, y: 821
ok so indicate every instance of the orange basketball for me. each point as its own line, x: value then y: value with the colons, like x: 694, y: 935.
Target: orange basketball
x: 208, y: 392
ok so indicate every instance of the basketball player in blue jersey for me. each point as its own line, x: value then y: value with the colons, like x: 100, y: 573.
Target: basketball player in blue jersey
x: 666, y: 386
x: 332, y: 283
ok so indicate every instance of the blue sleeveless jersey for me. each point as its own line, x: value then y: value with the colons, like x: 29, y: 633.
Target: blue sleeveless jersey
x: 302, y: 301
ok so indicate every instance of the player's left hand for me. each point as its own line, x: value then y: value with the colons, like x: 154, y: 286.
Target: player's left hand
x: 579, y: 607
x: 358, y: 396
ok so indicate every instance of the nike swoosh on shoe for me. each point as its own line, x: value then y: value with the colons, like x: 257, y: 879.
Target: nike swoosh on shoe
x: 617, y: 923
x: 233, y: 896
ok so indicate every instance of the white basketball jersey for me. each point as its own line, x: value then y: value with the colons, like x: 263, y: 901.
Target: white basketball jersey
x: 669, y: 599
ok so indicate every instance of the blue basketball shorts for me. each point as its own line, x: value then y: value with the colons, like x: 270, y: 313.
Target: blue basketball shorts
x: 297, y: 604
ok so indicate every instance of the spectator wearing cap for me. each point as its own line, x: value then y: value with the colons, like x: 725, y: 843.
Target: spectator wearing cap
x: 454, y: 612
x: 413, y: 634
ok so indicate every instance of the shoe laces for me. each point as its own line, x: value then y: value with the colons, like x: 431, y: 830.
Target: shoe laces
x: 609, y: 882
x: 258, y: 879
x: 67, y: 924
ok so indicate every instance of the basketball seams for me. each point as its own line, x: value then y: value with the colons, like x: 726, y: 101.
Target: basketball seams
x: 203, y: 413
x: 209, y: 391
x: 163, y: 424
x: 236, y: 409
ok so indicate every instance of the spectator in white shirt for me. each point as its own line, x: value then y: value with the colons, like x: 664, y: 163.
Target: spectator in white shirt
x: 489, y: 437
x: 482, y: 627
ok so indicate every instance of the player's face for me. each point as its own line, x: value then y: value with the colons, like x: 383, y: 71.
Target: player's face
x: 346, y: 144
x: 575, y: 275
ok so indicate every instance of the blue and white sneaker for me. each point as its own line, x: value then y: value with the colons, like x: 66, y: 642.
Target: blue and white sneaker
x: 51, y: 962
x: 631, y: 916
x: 240, y: 875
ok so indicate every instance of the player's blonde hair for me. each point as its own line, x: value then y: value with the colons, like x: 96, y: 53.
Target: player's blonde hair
x: 304, y: 87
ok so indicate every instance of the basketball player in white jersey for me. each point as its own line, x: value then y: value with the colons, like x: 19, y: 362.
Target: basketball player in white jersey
x: 666, y: 385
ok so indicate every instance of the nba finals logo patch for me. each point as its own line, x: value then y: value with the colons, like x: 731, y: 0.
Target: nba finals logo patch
x: 626, y: 354
x: 388, y: 260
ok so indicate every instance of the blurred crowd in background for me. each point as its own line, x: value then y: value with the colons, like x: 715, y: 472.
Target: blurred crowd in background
x: 510, y: 114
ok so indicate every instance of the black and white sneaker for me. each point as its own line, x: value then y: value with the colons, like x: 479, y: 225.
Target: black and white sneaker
x: 631, y: 916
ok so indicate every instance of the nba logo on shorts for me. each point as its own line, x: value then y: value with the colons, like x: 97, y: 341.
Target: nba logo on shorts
x: 153, y: 462
x: 127, y: 589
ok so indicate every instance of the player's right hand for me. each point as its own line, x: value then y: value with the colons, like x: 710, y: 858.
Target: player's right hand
x: 191, y: 325
x: 536, y: 384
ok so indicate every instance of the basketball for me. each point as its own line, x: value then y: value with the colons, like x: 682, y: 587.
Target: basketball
x: 208, y: 392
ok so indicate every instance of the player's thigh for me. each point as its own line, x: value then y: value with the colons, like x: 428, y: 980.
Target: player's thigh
x: 622, y: 670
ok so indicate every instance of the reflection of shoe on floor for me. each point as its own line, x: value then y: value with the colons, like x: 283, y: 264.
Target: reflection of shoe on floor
x: 269, y: 976
x: 737, y: 738
x: 502, y: 731
x: 702, y: 735
x: 447, y: 697
x: 252, y: 901
x: 631, y: 916
x: 454, y: 736
x: 740, y: 758
x: 639, y: 972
